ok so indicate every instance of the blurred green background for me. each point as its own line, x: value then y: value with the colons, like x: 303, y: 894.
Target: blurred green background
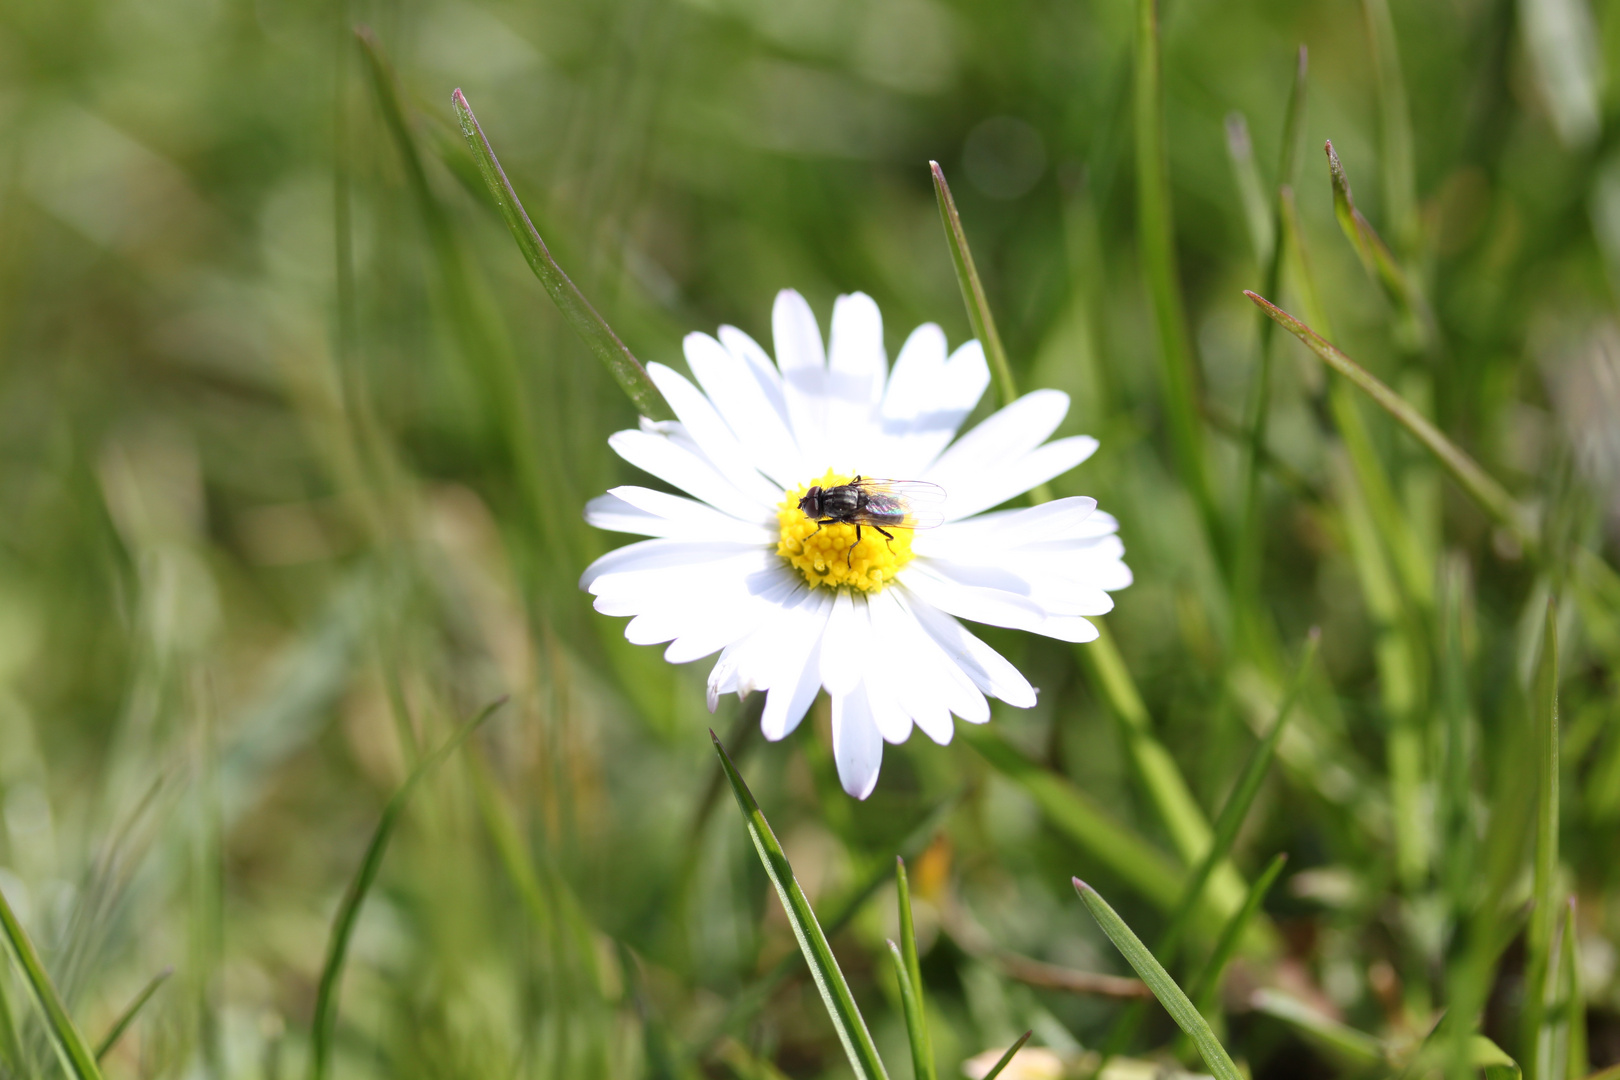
x: 293, y: 452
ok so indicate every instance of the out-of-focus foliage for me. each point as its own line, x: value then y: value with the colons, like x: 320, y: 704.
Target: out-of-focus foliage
x: 293, y: 450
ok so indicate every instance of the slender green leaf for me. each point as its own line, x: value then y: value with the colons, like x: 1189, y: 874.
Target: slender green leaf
x: 922, y: 1048
x: 1379, y: 262
x: 1544, y: 895
x: 912, y: 1006
x: 1208, y: 979
x: 1353, y: 1047
x: 127, y: 1017
x: 1485, y: 1055
x: 746, y: 1002
x: 1394, y: 123
x: 587, y: 323
x: 835, y: 992
x: 1231, y: 819
x: 1573, y: 1002
x: 1178, y: 367
x: 324, y: 1022
x: 967, y: 276
x: 1085, y: 821
x: 1181, y: 1010
x: 1167, y: 790
x: 1490, y: 495
x: 1236, y: 809
x: 1251, y: 542
x: 1251, y: 189
x: 71, y: 1048
x: 1006, y: 1059
x: 11, y: 1052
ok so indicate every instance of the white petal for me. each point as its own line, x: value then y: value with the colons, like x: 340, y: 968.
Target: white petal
x: 844, y: 653
x: 857, y: 744
x: 673, y: 516
x: 856, y: 365
x: 927, y: 400
x: 1060, y: 519
x: 804, y: 371
x: 993, y: 487
x: 1007, y: 434
x: 989, y: 670
x: 717, y: 625
x: 716, y: 440
x: 662, y: 554
x: 921, y: 678
x: 797, y: 679
x: 976, y: 603
x: 659, y: 454
x: 750, y: 402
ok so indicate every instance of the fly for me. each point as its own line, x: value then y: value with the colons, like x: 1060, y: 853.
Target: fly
x: 878, y: 504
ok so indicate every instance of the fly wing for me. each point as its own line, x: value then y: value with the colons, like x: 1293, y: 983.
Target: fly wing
x: 917, y: 503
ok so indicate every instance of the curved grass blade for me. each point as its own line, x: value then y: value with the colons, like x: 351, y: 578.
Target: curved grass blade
x: 1208, y: 978
x: 127, y: 1017
x: 587, y: 323
x: 1167, y: 789
x: 835, y: 992
x: 1176, y: 1003
x: 77, y: 1060
x: 752, y: 998
x: 1006, y: 1059
x: 922, y: 1066
x: 1231, y: 818
x: 967, y: 276
x: 326, y: 994
x: 1482, y: 487
x: 922, y: 1048
x: 1237, y: 805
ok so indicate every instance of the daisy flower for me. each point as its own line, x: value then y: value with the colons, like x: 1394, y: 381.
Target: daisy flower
x: 793, y: 604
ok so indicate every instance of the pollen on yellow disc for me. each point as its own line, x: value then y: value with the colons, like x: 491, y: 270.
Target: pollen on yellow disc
x: 823, y: 554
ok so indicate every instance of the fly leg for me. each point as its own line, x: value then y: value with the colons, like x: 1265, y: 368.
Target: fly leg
x: 850, y: 554
x: 885, y: 532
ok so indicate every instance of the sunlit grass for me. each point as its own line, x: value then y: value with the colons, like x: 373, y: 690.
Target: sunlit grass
x: 296, y: 448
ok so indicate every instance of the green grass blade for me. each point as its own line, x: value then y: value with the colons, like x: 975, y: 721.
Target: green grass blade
x: 1126, y: 853
x: 1545, y: 900
x: 71, y: 1048
x: 912, y: 1006
x: 324, y: 1022
x: 745, y: 1003
x: 967, y: 276
x: 1492, y: 497
x: 1394, y: 124
x: 1236, y: 808
x: 127, y: 1017
x: 1156, y: 238
x: 1355, y: 1048
x: 1208, y: 979
x: 1251, y: 543
x: 1376, y: 258
x: 1176, y: 1003
x: 587, y: 323
x: 918, y: 1026
x: 835, y: 992
x: 1574, y: 1002
x: 1006, y: 1059
x: 1251, y: 189
x: 1166, y: 789
x: 11, y: 1052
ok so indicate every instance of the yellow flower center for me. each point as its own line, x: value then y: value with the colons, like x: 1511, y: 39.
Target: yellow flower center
x: 829, y: 554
